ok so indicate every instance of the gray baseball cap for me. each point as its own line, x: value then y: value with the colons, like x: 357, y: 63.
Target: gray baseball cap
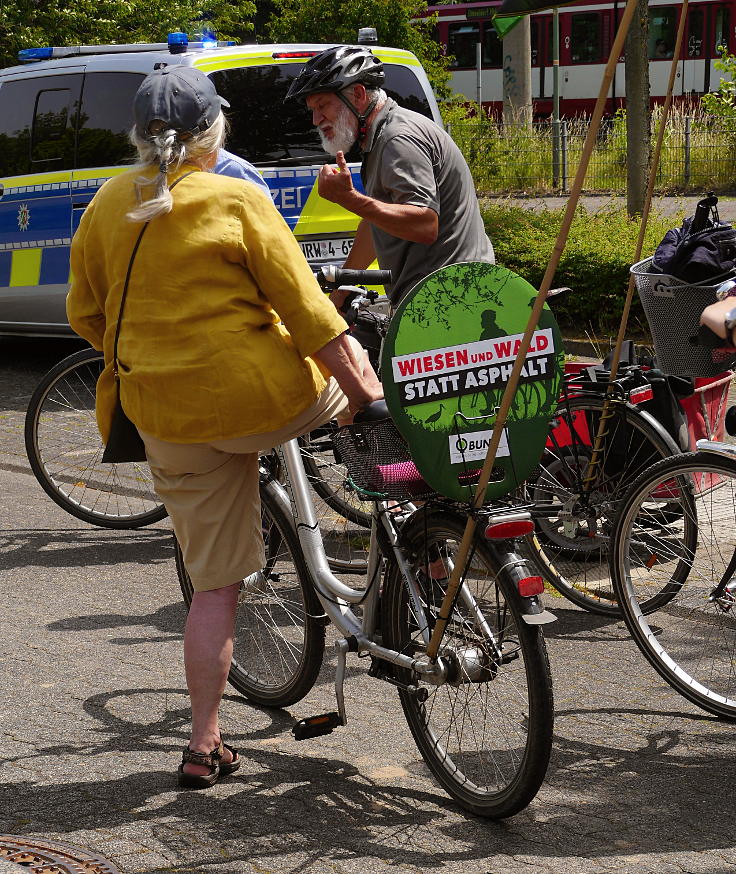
x: 184, y: 98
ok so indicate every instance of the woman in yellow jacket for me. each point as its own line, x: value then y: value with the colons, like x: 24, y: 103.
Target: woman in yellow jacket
x: 226, y: 346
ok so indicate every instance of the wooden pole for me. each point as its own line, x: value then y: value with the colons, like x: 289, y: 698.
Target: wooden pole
x: 656, y: 155
x: 508, y: 395
x: 607, y: 412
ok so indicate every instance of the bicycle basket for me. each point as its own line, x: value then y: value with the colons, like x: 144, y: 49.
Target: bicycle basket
x: 378, y: 461
x: 673, y: 309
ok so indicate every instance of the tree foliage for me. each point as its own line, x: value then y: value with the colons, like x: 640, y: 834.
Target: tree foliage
x: 722, y: 101
x: 398, y: 22
x: 28, y: 23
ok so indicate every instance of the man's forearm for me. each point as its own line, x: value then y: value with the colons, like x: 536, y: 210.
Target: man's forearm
x: 414, y: 223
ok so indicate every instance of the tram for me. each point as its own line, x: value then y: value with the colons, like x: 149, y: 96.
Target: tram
x: 587, y: 31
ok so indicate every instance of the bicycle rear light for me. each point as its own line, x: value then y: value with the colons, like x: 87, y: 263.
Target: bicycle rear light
x: 529, y: 586
x: 510, y: 529
x: 641, y: 394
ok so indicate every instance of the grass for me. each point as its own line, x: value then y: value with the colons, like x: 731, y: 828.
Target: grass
x: 698, y: 154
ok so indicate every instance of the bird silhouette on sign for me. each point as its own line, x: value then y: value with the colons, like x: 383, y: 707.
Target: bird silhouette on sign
x: 435, y: 416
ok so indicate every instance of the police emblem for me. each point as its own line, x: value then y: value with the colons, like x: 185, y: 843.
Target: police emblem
x: 24, y: 217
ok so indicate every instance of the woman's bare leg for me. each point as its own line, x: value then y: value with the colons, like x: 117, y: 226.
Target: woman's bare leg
x: 208, y: 651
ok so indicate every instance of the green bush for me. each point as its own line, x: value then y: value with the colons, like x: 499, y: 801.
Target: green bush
x: 595, y: 262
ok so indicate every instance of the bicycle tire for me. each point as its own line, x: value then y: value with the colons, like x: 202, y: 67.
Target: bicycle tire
x: 343, y: 516
x: 279, y: 637
x: 487, y: 742
x: 570, y: 544
x: 64, y: 450
x: 664, y: 575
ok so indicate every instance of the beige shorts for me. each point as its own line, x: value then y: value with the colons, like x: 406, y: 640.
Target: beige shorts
x: 211, y: 493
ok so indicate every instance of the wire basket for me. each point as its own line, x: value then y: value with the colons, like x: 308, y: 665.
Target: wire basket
x: 378, y: 462
x: 673, y: 309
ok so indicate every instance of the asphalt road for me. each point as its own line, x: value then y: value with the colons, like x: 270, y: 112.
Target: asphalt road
x: 93, y: 716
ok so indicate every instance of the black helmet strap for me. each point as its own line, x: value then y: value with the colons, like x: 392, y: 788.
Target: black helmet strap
x: 362, y: 119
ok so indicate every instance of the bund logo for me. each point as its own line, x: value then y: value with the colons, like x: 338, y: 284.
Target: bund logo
x: 24, y: 217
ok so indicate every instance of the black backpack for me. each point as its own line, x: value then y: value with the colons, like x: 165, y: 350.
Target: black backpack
x: 703, y: 250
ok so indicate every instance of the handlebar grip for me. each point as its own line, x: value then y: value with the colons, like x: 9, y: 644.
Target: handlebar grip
x: 337, y: 276
x: 373, y: 412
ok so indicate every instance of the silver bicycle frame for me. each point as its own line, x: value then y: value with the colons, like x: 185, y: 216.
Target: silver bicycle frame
x: 334, y: 595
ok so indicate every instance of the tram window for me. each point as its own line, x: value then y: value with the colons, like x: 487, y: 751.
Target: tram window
x: 695, y: 33
x: 462, y: 41
x: 492, y: 47
x: 722, y: 30
x: 585, y: 37
x: 535, y: 25
x: 662, y: 26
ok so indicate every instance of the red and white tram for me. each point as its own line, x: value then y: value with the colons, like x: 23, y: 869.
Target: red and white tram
x: 586, y: 33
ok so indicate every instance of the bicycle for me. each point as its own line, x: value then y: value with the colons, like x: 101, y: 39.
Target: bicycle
x: 573, y: 507
x: 481, y: 714
x: 64, y: 450
x: 673, y: 564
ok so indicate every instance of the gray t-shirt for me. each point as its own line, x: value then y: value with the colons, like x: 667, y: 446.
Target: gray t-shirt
x: 409, y: 159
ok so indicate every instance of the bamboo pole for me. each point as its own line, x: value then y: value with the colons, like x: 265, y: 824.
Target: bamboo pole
x: 508, y: 395
x: 607, y: 411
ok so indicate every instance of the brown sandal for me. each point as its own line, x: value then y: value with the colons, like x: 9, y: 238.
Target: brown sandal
x: 209, y: 760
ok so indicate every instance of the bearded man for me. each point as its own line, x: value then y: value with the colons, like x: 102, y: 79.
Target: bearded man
x: 420, y: 211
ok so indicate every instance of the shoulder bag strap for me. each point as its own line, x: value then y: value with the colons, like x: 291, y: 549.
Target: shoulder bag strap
x: 127, y: 281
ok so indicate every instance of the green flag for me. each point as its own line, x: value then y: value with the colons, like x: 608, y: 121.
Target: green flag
x: 504, y: 25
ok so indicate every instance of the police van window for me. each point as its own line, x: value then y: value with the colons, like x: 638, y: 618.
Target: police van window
x: 403, y: 86
x: 52, y: 135
x: 17, y: 100
x: 106, y: 118
x: 266, y: 131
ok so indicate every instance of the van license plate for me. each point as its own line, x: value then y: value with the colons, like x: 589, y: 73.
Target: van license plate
x: 327, y: 250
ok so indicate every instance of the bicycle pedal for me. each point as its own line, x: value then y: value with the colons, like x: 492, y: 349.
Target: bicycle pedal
x: 315, y: 726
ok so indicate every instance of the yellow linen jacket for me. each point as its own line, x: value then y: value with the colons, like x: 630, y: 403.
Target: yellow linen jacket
x: 222, y: 312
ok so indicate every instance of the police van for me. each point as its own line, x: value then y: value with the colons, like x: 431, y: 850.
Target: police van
x: 65, y: 113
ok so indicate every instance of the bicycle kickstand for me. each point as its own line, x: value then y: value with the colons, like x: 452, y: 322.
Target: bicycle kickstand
x: 325, y: 723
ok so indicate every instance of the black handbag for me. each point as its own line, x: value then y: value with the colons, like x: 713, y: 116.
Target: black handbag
x: 124, y: 442
x: 702, y: 250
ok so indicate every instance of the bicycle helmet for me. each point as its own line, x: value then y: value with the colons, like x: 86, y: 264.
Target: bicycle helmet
x: 337, y: 68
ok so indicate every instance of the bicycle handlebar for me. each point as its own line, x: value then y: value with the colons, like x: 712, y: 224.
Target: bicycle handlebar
x: 333, y: 277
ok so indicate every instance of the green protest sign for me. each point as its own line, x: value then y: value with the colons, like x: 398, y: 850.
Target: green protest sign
x: 445, y: 363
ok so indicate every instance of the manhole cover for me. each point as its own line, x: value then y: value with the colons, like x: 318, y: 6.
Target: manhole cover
x: 52, y: 857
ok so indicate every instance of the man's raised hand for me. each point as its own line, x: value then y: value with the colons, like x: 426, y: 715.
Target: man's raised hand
x: 336, y: 183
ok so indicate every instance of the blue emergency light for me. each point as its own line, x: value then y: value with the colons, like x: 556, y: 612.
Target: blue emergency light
x: 209, y: 40
x: 178, y: 42
x: 39, y: 54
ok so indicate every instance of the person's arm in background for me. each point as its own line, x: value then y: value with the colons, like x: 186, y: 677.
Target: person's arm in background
x: 228, y: 164
x: 714, y: 317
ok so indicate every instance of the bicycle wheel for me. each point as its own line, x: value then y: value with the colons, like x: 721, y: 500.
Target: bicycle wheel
x: 65, y: 451
x: 343, y: 516
x: 672, y: 565
x: 486, y: 733
x: 573, y: 521
x: 279, y: 635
